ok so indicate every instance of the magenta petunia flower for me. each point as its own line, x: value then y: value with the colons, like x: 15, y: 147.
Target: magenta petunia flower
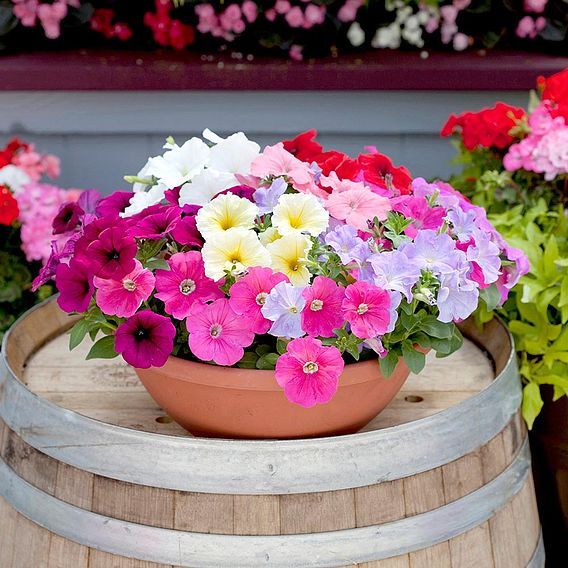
x: 185, y: 232
x: 114, y: 204
x: 123, y: 297
x: 249, y: 294
x: 322, y: 312
x: 75, y: 284
x: 217, y: 333
x: 158, y: 225
x: 185, y: 283
x: 68, y: 218
x: 309, y: 372
x: 145, y: 340
x: 366, y: 308
x: 112, y: 254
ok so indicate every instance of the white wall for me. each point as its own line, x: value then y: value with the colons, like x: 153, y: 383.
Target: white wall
x: 100, y: 136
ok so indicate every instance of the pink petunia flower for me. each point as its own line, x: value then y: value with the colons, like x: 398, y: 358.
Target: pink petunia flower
x: 217, y: 333
x: 123, y: 297
x: 309, y: 372
x: 322, y: 312
x: 75, y: 284
x: 114, y: 204
x: 423, y: 216
x: 249, y: 294
x: 158, y: 225
x: 184, y: 284
x: 357, y: 206
x: 145, y: 340
x: 366, y: 308
x: 112, y: 253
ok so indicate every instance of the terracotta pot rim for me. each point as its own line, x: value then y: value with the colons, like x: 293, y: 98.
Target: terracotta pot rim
x: 249, y: 379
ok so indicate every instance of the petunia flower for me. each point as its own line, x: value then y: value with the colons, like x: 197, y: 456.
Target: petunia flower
x: 124, y: 296
x: 249, y: 294
x: 234, y: 250
x: 266, y: 198
x: 288, y: 255
x: 309, y: 372
x: 145, y: 340
x: 75, y: 285
x: 457, y: 297
x: 225, y: 212
x: 299, y: 213
x: 157, y: 225
x: 357, y: 206
x: 284, y: 306
x: 205, y: 186
x: 217, y: 333
x: 233, y: 154
x: 343, y: 239
x: 393, y: 271
x: 184, y: 283
x: 114, y: 204
x: 462, y: 223
x: 322, y: 312
x: 366, y: 308
x: 112, y: 254
x: 422, y: 215
x: 67, y: 218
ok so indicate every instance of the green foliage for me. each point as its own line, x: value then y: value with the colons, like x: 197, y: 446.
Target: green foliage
x: 530, y: 214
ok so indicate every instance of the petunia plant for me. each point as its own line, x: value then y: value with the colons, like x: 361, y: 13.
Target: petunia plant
x: 292, y: 258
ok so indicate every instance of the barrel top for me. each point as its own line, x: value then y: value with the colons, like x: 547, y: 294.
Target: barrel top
x: 95, y: 415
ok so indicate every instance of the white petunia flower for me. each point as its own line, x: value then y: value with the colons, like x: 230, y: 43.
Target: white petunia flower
x: 233, y: 154
x: 356, y: 35
x: 206, y: 185
x: 14, y: 177
x: 180, y: 164
x: 142, y: 199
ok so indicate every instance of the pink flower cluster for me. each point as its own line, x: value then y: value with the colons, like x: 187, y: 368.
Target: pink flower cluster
x: 49, y: 15
x: 545, y: 149
x: 230, y: 22
x: 167, y: 31
x: 315, y: 251
x: 35, y: 165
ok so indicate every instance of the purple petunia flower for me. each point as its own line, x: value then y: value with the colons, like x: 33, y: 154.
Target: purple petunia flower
x: 114, y: 204
x: 457, y: 297
x: 158, y: 225
x: 112, y: 254
x: 394, y: 271
x: 433, y: 252
x: 343, y: 240
x: 362, y: 255
x: 266, y: 198
x: 463, y: 223
x: 68, y: 218
x: 284, y: 307
x: 75, y: 285
x: 88, y: 200
x: 145, y: 340
x: 486, y: 254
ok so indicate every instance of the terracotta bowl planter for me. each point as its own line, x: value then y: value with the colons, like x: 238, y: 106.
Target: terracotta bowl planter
x: 226, y: 402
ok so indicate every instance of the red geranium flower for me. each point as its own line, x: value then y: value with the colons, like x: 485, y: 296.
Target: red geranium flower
x: 379, y: 170
x: 555, y: 89
x: 9, y: 210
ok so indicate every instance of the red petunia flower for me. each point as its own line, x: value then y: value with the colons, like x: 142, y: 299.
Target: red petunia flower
x: 379, y: 170
x: 304, y: 147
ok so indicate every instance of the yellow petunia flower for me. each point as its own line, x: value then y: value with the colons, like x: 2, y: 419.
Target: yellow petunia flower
x: 289, y: 255
x: 299, y: 213
x: 225, y: 212
x: 234, y: 249
x: 269, y: 236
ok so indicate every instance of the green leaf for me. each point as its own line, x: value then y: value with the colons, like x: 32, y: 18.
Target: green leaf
x: 491, y: 296
x: 248, y: 360
x: 78, y: 333
x: 103, y: 349
x: 281, y: 345
x: 435, y: 328
x: 267, y: 362
x: 388, y: 364
x: 157, y: 264
x: 263, y: 349
x: 532, y: 403
x: 415, y: 360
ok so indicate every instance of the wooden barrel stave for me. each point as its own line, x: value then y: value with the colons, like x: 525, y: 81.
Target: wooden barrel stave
x: 500, y: 541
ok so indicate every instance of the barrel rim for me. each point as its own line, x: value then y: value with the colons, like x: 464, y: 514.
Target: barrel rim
x: 256, y: 466
x: 321, y: 550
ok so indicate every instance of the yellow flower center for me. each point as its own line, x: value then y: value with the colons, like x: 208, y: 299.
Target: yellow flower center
x: 293, y: 309
x: 261, y: 298
x: 316, y: 305
x: 215, y: 330
x: 187, y: 286
x: 129, y: 285
x: 362, y: 309
x: 310, y: 367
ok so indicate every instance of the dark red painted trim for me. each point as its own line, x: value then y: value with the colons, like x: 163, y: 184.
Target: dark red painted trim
x: 377, y: 70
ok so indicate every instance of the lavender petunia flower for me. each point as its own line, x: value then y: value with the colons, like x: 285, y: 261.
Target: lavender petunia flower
x: 433, y: 252
x: 316, y: 170
x: 88, y: 200
x: 284, y: 307
x: 486, y: 254
x: 266, y: 198
x: 362, y: 255
x: 394, y: 271
x: 344, y: 240
x: 463, y: 223
x: 457, y: 297
x: 396, y: 298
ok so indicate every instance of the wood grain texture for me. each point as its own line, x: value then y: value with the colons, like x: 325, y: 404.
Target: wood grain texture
x: 201, y: 512
x: 380, y: 503
x: 257, y: 514
x: 98, y: 559
x: 65, y: 553
x: 437, y: 555
x: 395, y: 562
x: 424, y: 492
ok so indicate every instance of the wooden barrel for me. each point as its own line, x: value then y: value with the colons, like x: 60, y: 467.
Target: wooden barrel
x: 93, y: 475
